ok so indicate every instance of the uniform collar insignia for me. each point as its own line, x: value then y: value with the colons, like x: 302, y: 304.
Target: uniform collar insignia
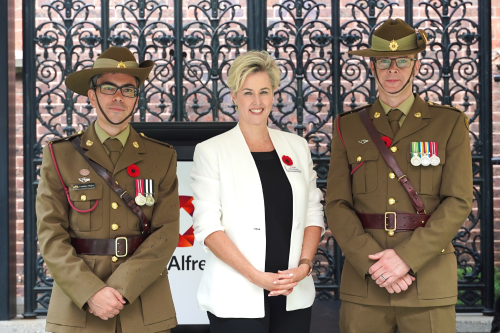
x: 363, y: 141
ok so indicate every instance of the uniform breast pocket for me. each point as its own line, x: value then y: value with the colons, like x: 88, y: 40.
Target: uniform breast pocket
x: 426, y: 179
x: 85, y: 200
x: 132, y: 218
x: 364, y: 169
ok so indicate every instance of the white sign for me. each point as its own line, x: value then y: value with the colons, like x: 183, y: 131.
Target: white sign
x: 188, y: 261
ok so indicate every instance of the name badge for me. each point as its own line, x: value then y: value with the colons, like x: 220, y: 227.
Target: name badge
x: 89, y: 186
x: 292, y: 169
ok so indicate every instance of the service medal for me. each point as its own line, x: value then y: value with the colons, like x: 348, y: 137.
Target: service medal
x: 425, y: 150
x: 426, y: 160
x: 140, y: 199
x: 150, y: 201
x: 415, y: 160
x: 435, y: 160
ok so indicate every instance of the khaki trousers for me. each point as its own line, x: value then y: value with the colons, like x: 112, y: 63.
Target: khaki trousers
x: 358, y: 318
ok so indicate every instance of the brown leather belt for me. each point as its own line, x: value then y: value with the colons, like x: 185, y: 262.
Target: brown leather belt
x: 120, y: 246
x: 393, y: 221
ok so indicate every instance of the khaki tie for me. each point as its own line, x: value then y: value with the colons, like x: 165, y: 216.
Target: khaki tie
x: 114, y: 146
x: 394, y: 116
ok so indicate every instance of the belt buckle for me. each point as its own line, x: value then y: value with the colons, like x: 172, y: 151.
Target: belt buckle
x: 116, y: 247
x: 390, y: 231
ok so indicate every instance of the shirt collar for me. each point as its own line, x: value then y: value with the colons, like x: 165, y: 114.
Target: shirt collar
x: 103, y: 136
x: 405, y: 107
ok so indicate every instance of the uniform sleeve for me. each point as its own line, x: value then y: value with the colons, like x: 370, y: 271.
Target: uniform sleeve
x: 456, y: 202
x: 345, y: 225
x: 206, y: 193
x: 144, y: 267
x: 314, y: 207
x: 52, y: 210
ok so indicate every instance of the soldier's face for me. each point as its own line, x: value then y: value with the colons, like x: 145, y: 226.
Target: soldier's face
x: 394, y: 78
x: 254, y: 99
x: 117, y: 107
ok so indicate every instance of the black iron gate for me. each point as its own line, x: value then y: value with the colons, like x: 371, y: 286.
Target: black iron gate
x: 194, y: 45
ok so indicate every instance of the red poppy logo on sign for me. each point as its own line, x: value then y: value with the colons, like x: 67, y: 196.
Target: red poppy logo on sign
x: 186, y: 239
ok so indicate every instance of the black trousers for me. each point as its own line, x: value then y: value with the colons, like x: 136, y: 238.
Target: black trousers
x: 276, y: 320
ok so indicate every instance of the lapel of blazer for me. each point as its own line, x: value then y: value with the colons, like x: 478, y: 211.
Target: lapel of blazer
x: 381, y: 123
x: 95, y: 149
x: 413, y: 124
x: 131, y: 151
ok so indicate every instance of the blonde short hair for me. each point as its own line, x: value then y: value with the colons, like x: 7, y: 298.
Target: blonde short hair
x: 252, y: 62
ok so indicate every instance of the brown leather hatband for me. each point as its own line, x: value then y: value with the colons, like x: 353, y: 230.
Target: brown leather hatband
x: 119, y: 246
x: 393, y: 221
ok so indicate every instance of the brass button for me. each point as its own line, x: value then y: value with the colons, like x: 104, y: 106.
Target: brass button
x: 358, y: 159
x: 80, y: 132
x: 376, y: 115
x: 114, y: 226
x: 390, y: 233
x: 114, y: 205
x: 394, y: 149
x: 430, y: 103
x: 392, y: 201
x: 89, y: 143
x: 83, y: 197
x: 417, y: 115
x: 135, y: 144
x: 442, y: 251
x: 142, y: 134
x: 392, y: 175
x: 114, y: 259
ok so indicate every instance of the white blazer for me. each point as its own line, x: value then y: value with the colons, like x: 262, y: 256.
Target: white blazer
x: 228, y: 197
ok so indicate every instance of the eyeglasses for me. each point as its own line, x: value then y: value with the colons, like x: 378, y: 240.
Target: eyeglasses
x: 403, y: 62
x: 111, y: 89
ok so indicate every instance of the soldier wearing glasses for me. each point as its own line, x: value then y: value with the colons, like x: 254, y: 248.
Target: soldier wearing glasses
x: 400, y: 270
x: 109, y: 264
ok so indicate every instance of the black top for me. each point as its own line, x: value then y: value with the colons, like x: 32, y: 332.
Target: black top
x: 278, y: 203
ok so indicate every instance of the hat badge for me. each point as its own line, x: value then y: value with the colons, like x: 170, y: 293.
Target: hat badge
x: 121, y: 64
x: 393, y: 45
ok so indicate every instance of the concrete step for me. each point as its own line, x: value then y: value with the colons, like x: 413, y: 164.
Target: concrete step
x: 466, y: 323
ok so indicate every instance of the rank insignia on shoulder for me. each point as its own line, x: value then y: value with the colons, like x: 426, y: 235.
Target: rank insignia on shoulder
x: 466, y: 120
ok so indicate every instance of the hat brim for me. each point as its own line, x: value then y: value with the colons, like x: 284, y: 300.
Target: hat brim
x: 79, y: 82
x: 370, y: 53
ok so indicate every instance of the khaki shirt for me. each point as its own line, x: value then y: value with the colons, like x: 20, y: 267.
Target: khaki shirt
x: 405, y: 107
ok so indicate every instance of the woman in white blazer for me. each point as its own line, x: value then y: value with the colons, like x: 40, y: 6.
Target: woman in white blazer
x: 257, y: 213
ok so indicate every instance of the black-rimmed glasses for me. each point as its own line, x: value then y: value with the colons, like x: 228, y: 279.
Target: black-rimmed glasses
x: 386, y: 63
x: 111, y: 89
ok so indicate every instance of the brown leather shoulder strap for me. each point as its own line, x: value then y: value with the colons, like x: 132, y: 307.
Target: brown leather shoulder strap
x: 391, y: 162
x: 101, y: 171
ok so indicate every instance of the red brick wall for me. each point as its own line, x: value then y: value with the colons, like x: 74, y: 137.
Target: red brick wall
x: 325, y: 15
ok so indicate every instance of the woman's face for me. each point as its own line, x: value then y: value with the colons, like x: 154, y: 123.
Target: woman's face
x: 254, y: 99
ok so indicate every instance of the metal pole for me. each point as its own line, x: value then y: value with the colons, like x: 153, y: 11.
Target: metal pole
x: 29, y: 139
x: 486, y: 133
x: 7, y: 164
x: 105, y: 24
x: 409, y: 12
x: 179, y: 62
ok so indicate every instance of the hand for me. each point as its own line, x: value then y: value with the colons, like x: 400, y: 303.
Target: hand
x: 267, y: 281
x: 293, y: 275
x: 106, y: 303
x: 388, y: 264
x: 401, y: 285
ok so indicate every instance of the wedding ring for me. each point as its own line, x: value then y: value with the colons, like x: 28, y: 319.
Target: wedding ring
x: 383, y: 277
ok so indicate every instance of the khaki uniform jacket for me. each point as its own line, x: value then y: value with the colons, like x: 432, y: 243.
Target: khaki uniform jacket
x: 446, y: 192
x: 142, y: 277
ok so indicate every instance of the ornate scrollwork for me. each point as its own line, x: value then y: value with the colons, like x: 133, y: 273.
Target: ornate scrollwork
x: 302, y: 43
x: 213, y: 39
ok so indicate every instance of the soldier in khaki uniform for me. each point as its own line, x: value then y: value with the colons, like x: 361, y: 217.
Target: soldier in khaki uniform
x: 400, y: 270
x: 105, y: 280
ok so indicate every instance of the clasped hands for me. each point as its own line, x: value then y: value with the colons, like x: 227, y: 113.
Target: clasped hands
x: 393, y: 269
x: 281, y: 283
x: 106, y: 303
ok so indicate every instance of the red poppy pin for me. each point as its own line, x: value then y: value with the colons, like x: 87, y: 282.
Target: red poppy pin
x: 387, y: 141
x: 133, y: 170
x: 287, y: 160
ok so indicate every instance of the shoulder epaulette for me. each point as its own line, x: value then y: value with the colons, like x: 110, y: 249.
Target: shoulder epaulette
x: 354, y: 110
x: 65, y: 138
x: 156, y: 141
x: 454, y: 108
